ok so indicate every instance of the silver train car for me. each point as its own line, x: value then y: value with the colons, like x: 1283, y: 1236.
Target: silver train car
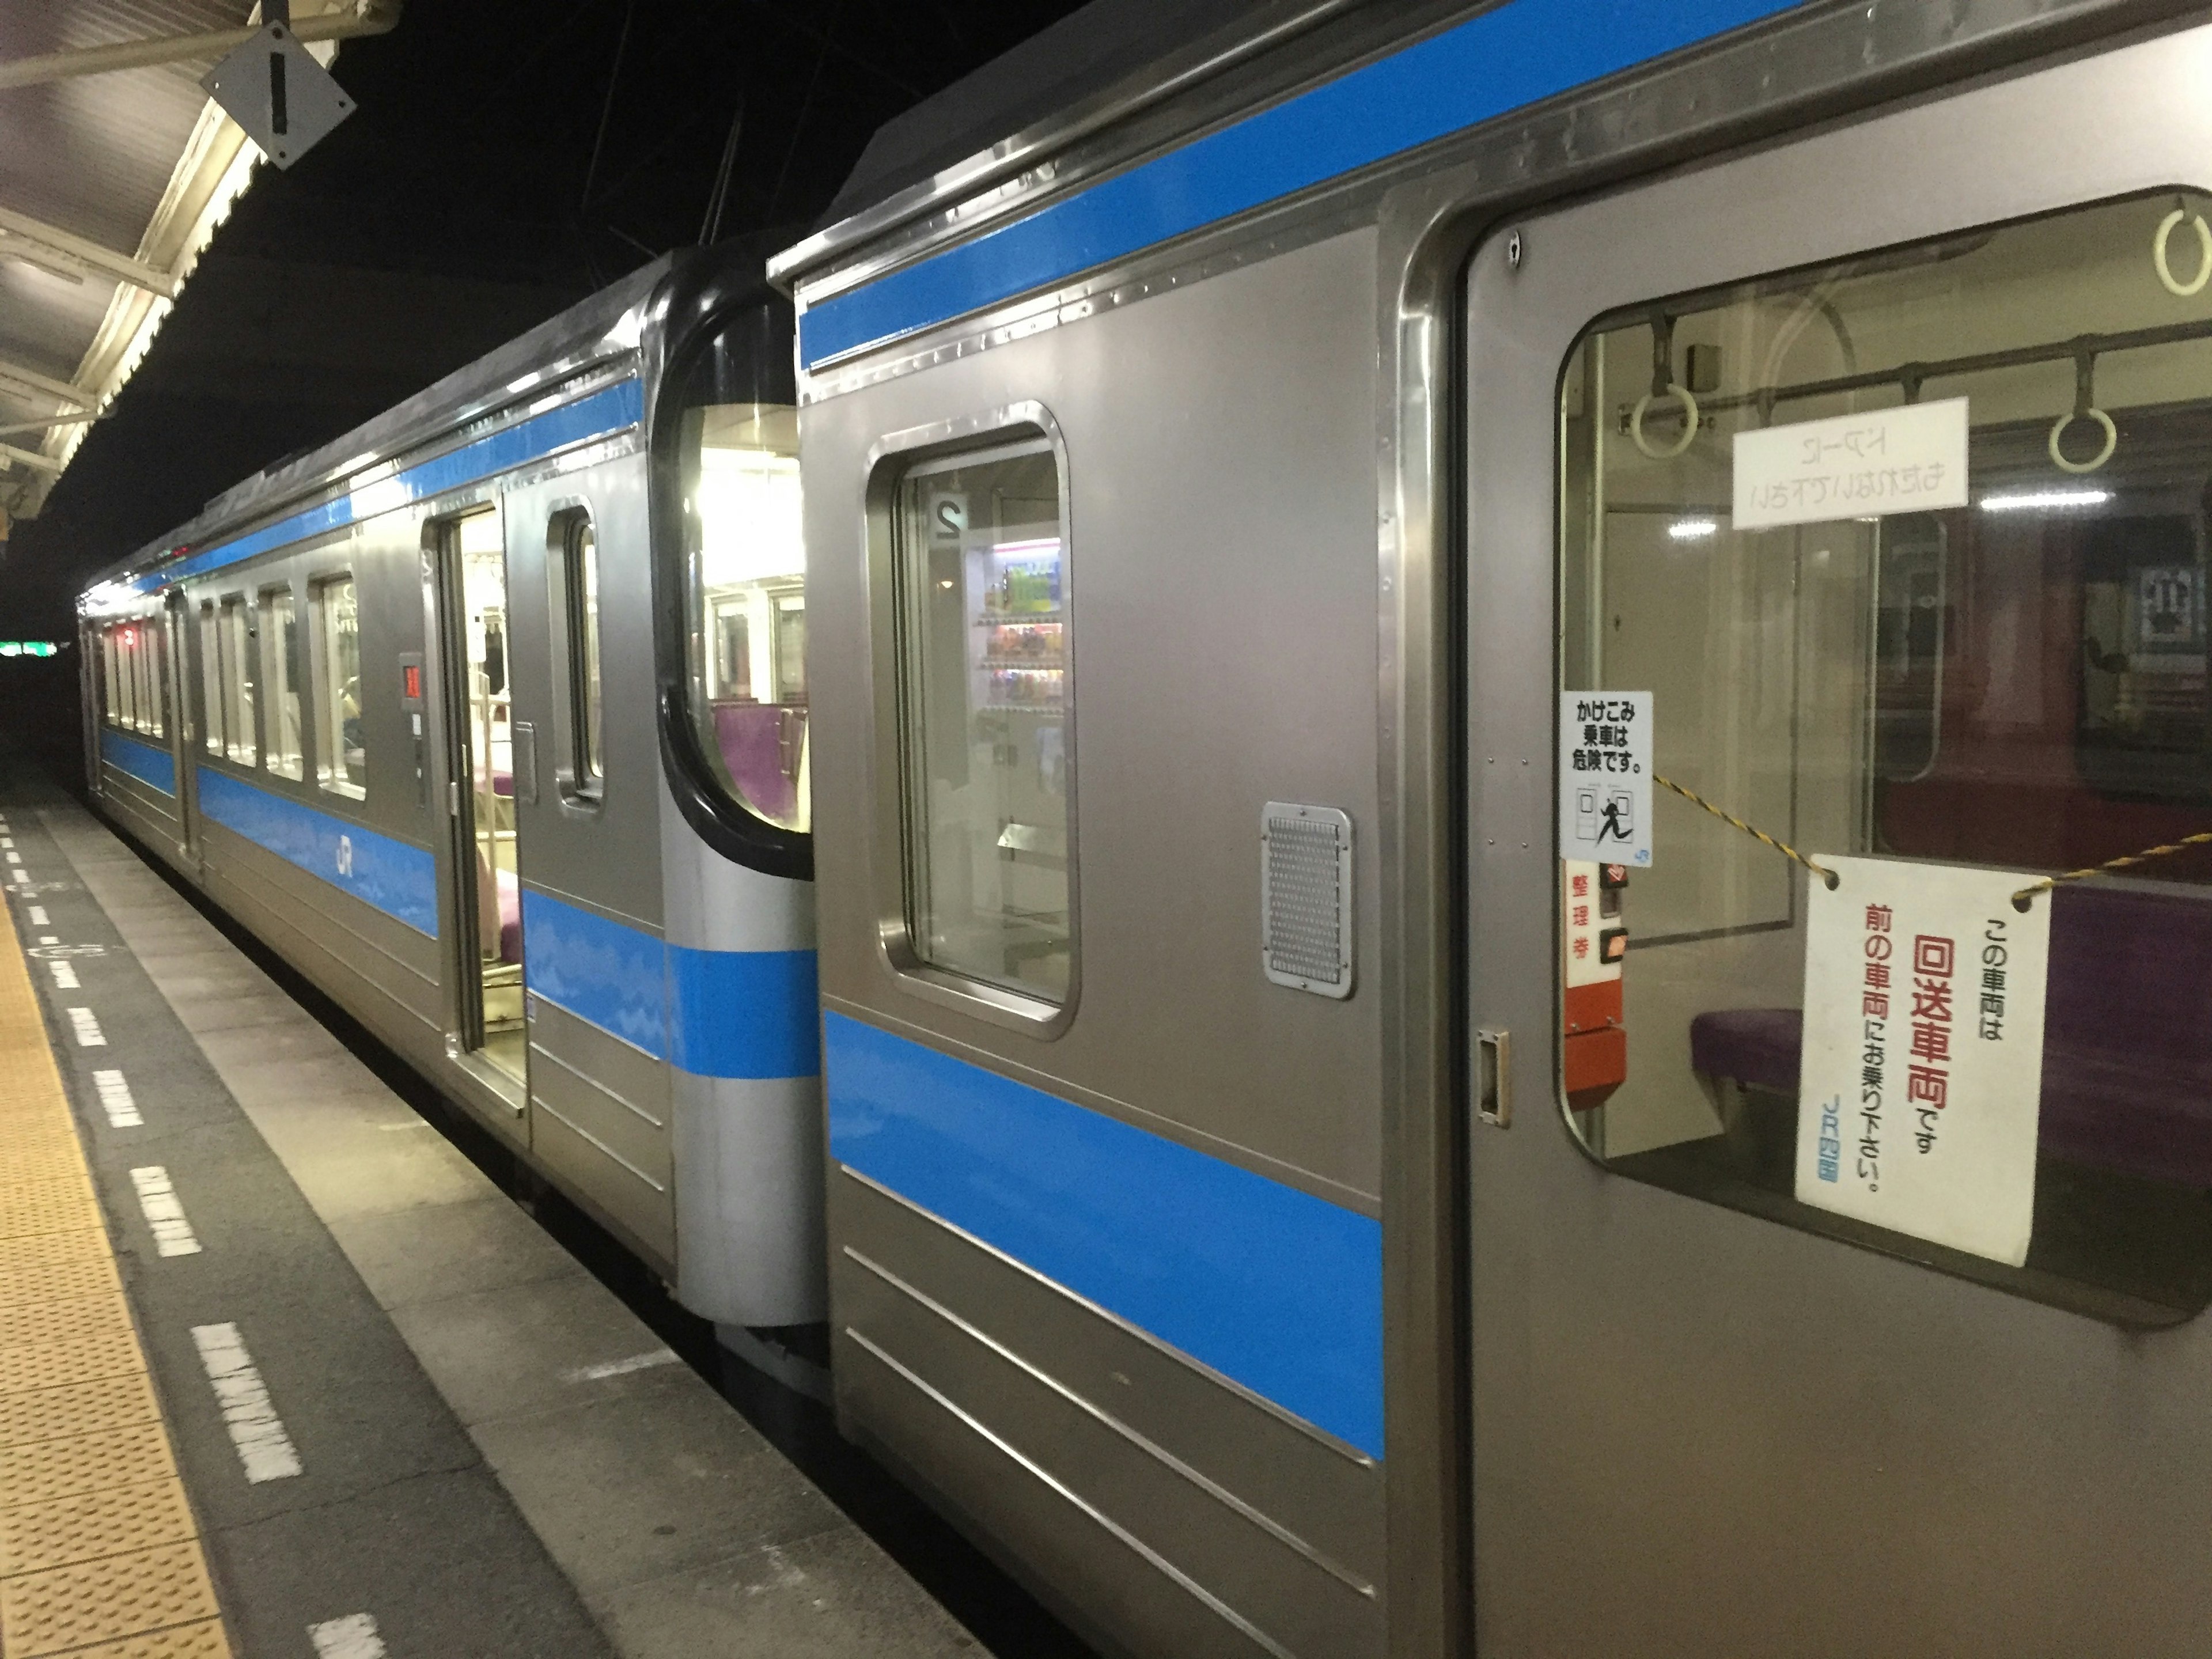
x: 1502, y: 714
x: 393, y: 706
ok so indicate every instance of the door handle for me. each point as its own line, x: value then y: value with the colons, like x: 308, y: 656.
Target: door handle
x: 1493, y: 1077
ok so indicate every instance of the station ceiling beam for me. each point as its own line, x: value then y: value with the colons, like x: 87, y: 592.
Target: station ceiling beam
x: 62, y: 254
x: 357, y: 18
x: 44, y: 386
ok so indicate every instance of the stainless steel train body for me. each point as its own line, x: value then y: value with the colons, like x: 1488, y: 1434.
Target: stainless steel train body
x: 394, y: 705
x: 1260, y: 1204
x: 1238, y: 1216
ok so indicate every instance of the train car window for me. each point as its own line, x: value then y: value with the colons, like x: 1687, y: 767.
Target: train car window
x: 235, y: 639
x: 1761, y: 524
x: 341, y: 751
x: 746, y: 627
x: 210, y: 684
x: 143, y: 658
x: 280, y: 647
x: 980, y: 554
x: 576, y: 547
x: 110, y: 654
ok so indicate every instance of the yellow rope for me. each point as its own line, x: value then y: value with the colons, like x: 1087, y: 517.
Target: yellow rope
x: 1783, y: 848
x: 2022, y: 898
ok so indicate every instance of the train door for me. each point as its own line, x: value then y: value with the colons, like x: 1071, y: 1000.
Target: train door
x: 186, y: 721
x: 1841, y: 1209
x: 486, y: 870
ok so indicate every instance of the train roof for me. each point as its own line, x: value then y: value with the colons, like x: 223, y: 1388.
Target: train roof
x: 558, y: 345
x: 1083, y: 54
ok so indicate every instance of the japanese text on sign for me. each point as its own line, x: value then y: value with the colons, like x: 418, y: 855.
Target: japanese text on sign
x: 1605, y: 777
x: 1918, y: 1106
x: 1909, y: 460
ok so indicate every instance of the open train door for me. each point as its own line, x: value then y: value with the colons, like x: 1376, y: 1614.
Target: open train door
x: 1838, y: 1267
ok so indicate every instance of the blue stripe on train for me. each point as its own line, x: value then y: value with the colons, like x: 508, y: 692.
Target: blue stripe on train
x: 713, y: 1014
x: 398, y: 879
x: 1513, y: 56
x: 1273, y: 1288
x: 598, y: 416
x: 154, y: 767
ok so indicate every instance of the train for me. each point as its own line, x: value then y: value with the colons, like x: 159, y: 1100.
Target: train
x: 1392, y: 805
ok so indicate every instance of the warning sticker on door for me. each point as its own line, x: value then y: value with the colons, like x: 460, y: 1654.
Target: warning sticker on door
x: 1605, y: 777
x: 1921, y: 1077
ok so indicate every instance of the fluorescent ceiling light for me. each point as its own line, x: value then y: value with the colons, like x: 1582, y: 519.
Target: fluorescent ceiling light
x: 2035, y: 499
x: 1693, y: 530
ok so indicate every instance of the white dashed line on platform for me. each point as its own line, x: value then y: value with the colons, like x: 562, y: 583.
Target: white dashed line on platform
x: 64, y: 976
x: 351, y: 1637
x: 115, y: 1100
x: 636, y: 1362
x: 262, y: 1446
x: 38, y: 914
x: 50, y: 939
x: 89, y: 1034
x: 172, y: 1233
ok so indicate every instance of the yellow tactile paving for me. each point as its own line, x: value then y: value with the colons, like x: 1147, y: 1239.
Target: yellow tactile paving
x: 90, y: 1313
x: 73, y: 1607
x: 28, y: 1283
x: 100, y: 1558
x: 70, y: 1465
x: 104, y: 1406
x: 91, y: 1525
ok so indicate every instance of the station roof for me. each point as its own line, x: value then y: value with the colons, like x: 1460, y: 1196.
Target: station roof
x: 115, y: 172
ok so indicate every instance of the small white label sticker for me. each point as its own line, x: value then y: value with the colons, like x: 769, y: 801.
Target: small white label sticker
x: 1605, y: 777
x: 1921, y: 1084
x: 1909, y: 460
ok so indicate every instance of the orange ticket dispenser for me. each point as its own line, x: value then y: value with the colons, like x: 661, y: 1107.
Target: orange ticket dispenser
x: 1595, y: 943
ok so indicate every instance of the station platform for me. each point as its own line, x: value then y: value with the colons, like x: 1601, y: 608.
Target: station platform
x: 284, y: 1373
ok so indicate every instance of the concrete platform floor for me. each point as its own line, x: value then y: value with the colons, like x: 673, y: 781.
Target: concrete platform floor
x: 495, y: 1456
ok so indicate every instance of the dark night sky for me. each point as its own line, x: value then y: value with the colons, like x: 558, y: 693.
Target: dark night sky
x: 462, y: 204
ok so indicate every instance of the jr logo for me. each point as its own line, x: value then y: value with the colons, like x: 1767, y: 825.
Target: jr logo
x: 345, y: 855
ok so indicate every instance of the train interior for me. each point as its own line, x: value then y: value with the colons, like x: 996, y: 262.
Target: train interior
x: 987, y: 606
x: 750, y: 566
x: 494, y: 874
x: 2019, y: 684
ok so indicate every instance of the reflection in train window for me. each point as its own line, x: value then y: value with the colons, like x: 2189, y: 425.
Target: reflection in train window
x: 982, y: 581
x: 576, y: 576
x: 746, y: 632
x: 210, y: 684
x: 341, y: 753
x: 2016, y: 685
x: 279, y: 649
x: 236, y: 640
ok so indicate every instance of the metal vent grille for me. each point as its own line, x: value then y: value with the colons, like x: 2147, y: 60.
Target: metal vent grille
x: 1305, y: 894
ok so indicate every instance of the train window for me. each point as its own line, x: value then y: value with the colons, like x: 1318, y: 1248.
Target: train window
x: 746, y: 628
x: 1864, y: 668
x: 110, y: 659
x: 210, y: 684
x: 142, y: 670
x: 235, y: 638
x: 280, y: 752
x: 341, y: 753
x: 575, y: 571
x: 979, y: 548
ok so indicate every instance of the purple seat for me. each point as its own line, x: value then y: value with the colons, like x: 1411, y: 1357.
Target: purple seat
x: 510, y: 917
x: 2127, y: 1039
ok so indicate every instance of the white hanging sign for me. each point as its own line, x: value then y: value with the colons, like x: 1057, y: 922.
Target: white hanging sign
x: 1908, y: 459
x: 1605, y: 777
x: 1921, y: 1079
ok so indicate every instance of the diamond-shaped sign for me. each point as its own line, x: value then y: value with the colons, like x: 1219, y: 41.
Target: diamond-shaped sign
x: 286, y: 102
